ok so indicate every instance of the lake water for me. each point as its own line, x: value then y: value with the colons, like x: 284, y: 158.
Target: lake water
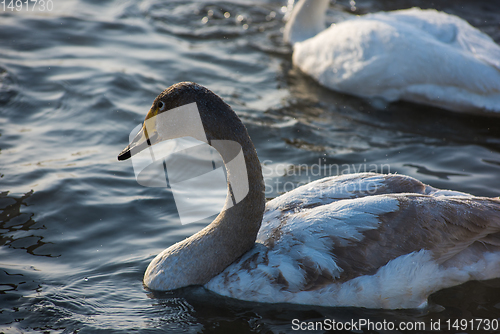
x: 76, y: 229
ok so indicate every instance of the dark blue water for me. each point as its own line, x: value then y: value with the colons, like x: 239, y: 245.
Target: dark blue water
x: 77, y: 231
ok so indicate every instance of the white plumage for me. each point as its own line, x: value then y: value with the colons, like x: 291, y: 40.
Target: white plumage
x: 421, y: 56
x: 301, y: 230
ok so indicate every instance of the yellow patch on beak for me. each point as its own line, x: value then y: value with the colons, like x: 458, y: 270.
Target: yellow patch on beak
x: 146, y: 137
x: 149, y: 127
x: 152, y: 113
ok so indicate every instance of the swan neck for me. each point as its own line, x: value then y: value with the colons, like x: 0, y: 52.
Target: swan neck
x: 306, y: 21
x: 197, y: 259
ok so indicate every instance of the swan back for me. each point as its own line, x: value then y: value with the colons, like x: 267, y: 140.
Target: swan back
x: 366, y: 240
x: 422, y: 56
x: 449, y: 29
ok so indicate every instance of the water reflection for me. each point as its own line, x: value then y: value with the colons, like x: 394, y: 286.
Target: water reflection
x: 17, y: 228
x: 80, y: 80
x: 440, y: 175
x: 195, y: 309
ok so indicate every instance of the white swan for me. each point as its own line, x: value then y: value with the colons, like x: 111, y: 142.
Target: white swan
x: 368, y: 240
x: 421, y: 56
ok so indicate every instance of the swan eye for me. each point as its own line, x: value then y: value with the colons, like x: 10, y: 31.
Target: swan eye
x: 161, y: 105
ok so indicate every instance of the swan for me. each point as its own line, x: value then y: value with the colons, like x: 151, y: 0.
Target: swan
x: 368, y: 240
x: 420, y: 56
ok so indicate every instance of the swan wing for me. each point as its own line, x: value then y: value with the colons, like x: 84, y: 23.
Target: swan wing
x: 449, y: 29
x: 416, y: 55
x: 317, y: 244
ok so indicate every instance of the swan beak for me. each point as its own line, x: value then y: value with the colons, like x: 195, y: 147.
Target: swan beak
x: 140, y: 142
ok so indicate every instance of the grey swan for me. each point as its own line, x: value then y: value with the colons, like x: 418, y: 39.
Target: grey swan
x: 365, y: 240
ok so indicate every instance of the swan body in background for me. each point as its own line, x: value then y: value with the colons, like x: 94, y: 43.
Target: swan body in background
x: 368, y: 240
x: 420, y: 56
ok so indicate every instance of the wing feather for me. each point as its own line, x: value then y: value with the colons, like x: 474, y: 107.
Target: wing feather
x: 344, y: 228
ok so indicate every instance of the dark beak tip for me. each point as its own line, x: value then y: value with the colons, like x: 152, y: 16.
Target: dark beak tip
x: 136, y: 146
x: 124, y: 155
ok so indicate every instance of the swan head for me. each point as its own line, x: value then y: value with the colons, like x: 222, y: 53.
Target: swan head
x: 306, y: 21
x: 182, y: 110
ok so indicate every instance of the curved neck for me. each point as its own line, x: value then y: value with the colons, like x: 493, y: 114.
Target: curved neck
x: 245, y: 200
x: 307, y: 20
x: 205, y: 254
